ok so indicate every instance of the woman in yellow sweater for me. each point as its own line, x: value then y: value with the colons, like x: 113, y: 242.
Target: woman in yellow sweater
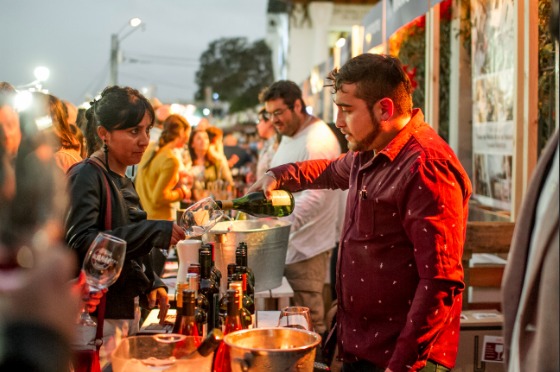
x: 158, y: 176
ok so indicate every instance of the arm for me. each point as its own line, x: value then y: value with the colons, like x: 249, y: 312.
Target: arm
x: 165, y: 191
x: 316, y: 174
x: 433, y: 213
x: 86, y: 218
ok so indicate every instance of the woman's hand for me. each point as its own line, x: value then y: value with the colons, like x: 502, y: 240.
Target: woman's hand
x: 177, y: 233
x: 159, y: 296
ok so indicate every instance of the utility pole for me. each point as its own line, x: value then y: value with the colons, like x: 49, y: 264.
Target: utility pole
x: 114, y: 77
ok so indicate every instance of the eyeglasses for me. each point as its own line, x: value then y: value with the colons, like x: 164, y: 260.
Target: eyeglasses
x: 270, y: 115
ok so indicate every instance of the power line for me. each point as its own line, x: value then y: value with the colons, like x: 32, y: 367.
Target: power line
x: 160, y: 57
x: 103, y: 72
x: 159, y: 82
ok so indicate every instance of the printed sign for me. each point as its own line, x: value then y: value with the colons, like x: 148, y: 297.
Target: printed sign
x: 493, y: 349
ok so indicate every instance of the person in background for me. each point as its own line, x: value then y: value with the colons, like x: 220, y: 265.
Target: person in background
x: 399, y: 274
x: 39, y: 298
x: 79, y: 135
x: 530, y: 282
x: 69, y: 149
x: 71, y: 112
x: 270, y: 140
x: 123, y: 118
x: 9, y: 119
x: 312, y: 234
x: 238, y: 157
x: 158, y: 180
x: 208, y: 168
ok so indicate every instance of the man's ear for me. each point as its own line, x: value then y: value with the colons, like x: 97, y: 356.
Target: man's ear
x: 387, y: 108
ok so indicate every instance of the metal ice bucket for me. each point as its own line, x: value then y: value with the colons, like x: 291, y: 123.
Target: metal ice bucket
x: 267, y: 244
x: 272, y: 349
x: 161, y: 352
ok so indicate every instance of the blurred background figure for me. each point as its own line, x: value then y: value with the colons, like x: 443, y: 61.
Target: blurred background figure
x: 237, y: 156
x: 9, y: 119
x: 39, y: 303
x: 270, y: 140
x: 69, y: 146
x: 158, y: 181
x: 71, y: 112
x: 209, y: 169
x: 530, y: 298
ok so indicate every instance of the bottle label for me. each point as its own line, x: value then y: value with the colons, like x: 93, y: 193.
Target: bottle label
x: 280, y: 198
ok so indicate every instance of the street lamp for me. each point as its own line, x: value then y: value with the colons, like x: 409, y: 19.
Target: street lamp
x: 115, y: 47
x: 41, y: 74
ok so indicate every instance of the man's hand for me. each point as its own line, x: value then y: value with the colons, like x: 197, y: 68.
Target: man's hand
x: 266, y: 183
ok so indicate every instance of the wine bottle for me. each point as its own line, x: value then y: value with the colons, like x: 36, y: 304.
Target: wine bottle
x: 247, y: 286
x: 185, y: 322
x: 232, y: 324
x: 210, y: 343
x: 244, y: 313
x: 209, y: 289
x: 242, y: 259
x: 255, y: 203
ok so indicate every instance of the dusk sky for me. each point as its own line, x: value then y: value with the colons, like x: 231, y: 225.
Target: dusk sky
x: 73, y: 39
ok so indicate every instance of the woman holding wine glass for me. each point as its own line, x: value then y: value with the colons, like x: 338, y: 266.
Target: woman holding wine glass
x: 122, y: 118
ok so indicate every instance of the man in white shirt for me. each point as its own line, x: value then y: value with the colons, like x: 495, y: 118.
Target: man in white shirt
x: 313, y: 232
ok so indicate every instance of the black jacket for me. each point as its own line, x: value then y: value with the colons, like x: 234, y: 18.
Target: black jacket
x: 86, y: 218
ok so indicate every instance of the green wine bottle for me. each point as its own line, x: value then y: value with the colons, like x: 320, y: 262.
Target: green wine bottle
x: 255, y: 203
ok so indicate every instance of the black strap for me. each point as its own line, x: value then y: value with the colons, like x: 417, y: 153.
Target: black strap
x: 108, y: 216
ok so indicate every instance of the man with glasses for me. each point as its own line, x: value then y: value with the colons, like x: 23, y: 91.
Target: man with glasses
x: 313, y: 232
x: 399, y: 277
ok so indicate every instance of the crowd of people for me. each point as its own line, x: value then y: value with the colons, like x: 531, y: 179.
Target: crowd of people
x: 399, y: 276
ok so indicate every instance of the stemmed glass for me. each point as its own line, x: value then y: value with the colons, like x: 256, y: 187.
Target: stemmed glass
x: 102, y: 267
x: 295, y: 317
x: 200, y: 217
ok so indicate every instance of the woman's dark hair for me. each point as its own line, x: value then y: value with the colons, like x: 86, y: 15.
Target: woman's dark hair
x: 376, y: 76
x: 118, y: 108
x: 285, y: 89
x: 191, y: 140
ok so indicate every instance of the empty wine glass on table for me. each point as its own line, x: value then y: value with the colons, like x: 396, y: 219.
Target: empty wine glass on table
x: 102, y: 266
x: 295, y: 317
x: 200, y: 217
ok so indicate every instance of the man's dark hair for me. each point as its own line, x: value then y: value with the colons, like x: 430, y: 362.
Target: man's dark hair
x: 376, y: 76
x: 287, y: 90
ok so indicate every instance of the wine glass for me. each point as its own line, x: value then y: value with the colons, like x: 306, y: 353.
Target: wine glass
x: 295, y: 317
x: 200, y: 217
x: 102, y: 267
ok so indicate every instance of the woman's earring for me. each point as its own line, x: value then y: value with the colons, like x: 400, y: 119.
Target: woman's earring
x: 105, y: 148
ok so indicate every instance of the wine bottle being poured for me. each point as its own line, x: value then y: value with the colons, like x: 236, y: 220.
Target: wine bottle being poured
x: 255, y: 203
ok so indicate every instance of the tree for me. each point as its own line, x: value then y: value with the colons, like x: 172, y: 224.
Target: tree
x: 236, y: 70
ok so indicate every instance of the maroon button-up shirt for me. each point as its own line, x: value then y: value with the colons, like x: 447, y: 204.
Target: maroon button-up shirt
x: 399, y: 272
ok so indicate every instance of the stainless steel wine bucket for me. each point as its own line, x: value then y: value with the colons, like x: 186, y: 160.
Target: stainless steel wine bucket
x: 267, y: 244
x: 272, y: 349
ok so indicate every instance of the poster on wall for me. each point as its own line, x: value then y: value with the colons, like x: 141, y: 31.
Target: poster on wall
x: 493, y: 50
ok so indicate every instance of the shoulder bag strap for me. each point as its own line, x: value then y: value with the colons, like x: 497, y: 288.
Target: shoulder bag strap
x: 108, y: 217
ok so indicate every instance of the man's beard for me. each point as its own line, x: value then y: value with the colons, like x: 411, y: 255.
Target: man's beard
x: 365, y: 144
